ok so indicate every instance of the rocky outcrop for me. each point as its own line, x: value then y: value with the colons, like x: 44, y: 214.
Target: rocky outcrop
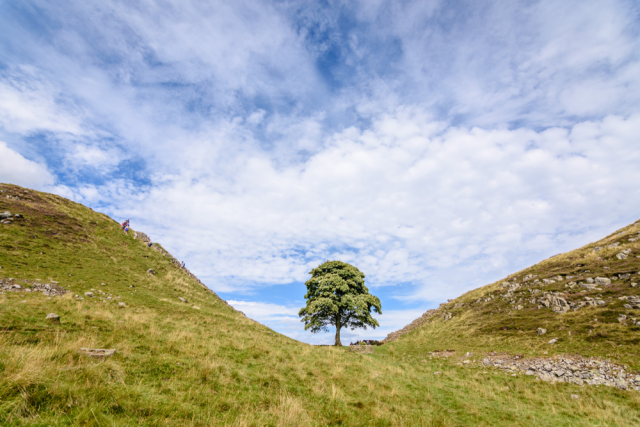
x: 555, y: 302
x: 50, y: 289
x: 571, y: 369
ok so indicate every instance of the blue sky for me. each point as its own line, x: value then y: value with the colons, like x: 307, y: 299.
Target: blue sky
x: 438, y: 146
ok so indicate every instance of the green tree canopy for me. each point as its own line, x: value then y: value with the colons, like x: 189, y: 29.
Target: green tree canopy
x: 336, y: 295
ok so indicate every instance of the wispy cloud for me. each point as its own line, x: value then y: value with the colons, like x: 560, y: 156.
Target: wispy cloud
x: 437, y: 146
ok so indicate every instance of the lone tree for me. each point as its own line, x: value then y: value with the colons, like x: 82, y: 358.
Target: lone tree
x: 336, y: 295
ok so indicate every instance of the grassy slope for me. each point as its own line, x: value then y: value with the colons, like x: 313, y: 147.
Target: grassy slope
x: 178, y: 365
x: 497, y: 326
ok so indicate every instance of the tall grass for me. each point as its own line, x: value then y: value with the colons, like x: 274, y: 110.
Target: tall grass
x: 180, y: 366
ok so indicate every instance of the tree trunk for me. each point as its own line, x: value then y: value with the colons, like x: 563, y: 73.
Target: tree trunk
x: 338, y: 326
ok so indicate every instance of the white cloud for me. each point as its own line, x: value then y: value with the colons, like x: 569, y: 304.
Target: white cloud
x: 15, y: 169
x: 27, y: 105
x: 435, y: 149
x: 404, y: 200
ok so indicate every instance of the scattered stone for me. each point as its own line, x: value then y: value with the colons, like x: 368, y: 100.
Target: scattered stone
x: 182, y: 299
x: 122, y: 305
x: 624, y: 254
x: 53, y: 318
x: 575, y: 396
x: 553, y: 341
x: 88, y: 294
x: 362, y: 349
x: 555, y: 301
x: 624, y: 276
x: 621, y: 384
x: 542, y: 331
x: 47, y: 289
x: 151, y: 271
x: 602, y: 281
x: 437, y: 373
x: 98, y: 352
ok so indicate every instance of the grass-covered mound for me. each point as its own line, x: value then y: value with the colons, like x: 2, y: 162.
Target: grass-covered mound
x: 589, y: 299
x: 202, y: 363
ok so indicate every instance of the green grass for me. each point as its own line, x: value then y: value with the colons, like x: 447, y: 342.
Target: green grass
x: 588, y: 331
x: 180, y: 365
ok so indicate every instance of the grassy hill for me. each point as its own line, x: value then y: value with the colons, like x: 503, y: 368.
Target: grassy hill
x: 589, y: 299
x: 201, y: 363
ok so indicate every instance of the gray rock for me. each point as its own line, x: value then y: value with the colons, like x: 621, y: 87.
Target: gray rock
x: 624, y: 276
x: 53, y: 318
x: 621, y: 384
x: 88, y: 294
x: 624, y: 254
x: 182, y: 299
x: 98, y: 352
x: 542, y: 331
x: 151, y: 271
x: 602, y: 281
x: 122, y: 305
x: 553, y: 341
x: 5, y: 215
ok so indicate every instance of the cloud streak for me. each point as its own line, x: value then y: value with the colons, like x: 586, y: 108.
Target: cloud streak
x: 437, y: 146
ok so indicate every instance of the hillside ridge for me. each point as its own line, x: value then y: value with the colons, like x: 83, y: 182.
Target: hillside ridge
x: 616, y: 251
x: 32, y: 198
x: 98, y: 329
